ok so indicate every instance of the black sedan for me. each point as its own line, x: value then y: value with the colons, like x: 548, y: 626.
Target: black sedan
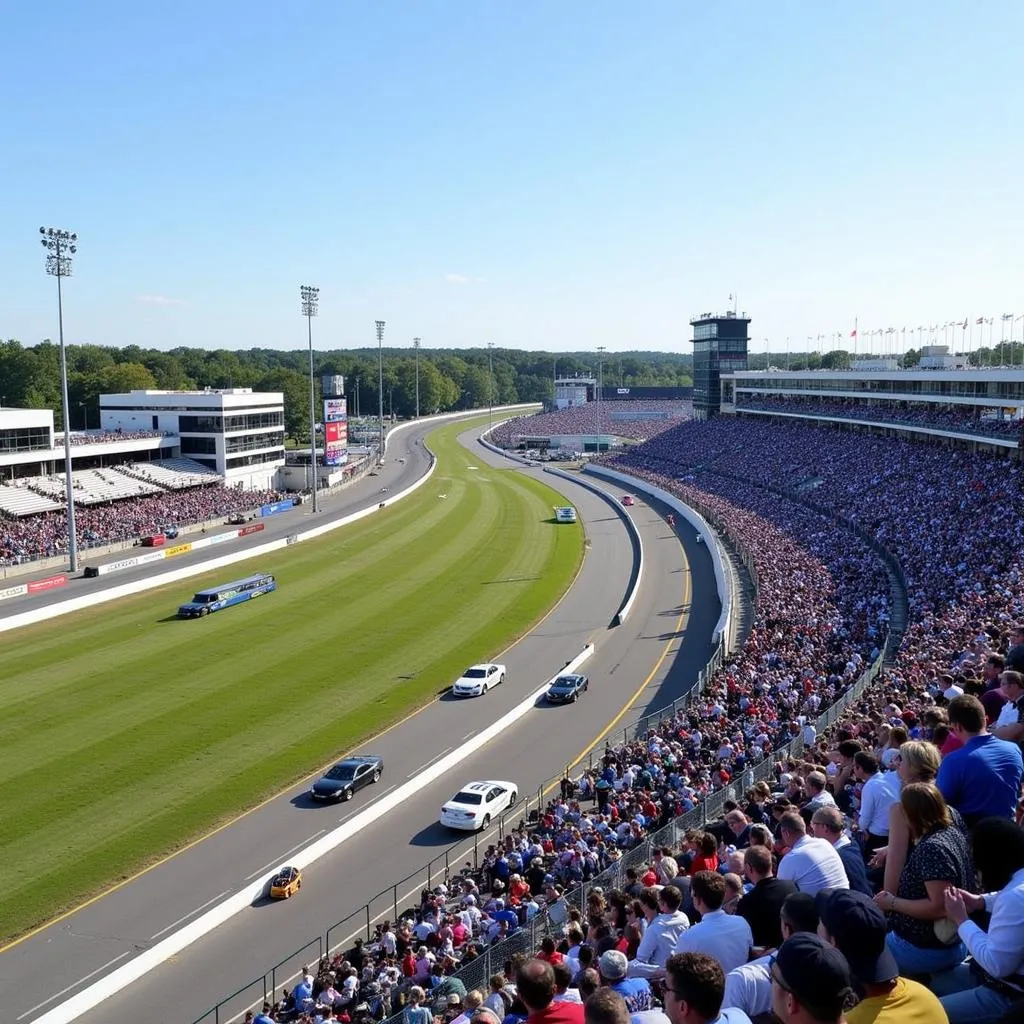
x: 567, y: 689
x: 347, y: 776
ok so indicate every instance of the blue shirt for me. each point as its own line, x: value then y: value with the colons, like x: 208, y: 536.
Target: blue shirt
x: 982, y: 778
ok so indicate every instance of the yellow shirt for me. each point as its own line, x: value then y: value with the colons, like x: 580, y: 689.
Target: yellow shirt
x: 907, y: 1003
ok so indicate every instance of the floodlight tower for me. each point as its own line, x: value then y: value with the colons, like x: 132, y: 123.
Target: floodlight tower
x: 310, y: 307
x: 380, y: 386
x: 60, y: 246
x: 416, y: 346
x: 490, y: 387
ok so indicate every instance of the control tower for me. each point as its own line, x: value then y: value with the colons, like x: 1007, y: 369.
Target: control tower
x: 719, y: 346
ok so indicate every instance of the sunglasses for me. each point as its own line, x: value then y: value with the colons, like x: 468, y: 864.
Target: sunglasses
x: 775, y: 976
x: 664, y: 988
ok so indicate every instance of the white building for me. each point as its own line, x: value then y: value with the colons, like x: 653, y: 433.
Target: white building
x: 235, y: 431
x: 26, y: 438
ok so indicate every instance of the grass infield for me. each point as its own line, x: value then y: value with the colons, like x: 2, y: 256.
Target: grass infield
x: 125, y: 733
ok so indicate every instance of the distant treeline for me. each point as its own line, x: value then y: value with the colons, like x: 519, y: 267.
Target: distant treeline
x: 449, y: 379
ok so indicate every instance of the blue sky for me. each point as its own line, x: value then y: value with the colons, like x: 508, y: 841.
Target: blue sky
x: 556, y: 175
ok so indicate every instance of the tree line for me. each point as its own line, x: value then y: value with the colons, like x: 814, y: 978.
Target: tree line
x: 449, y: 379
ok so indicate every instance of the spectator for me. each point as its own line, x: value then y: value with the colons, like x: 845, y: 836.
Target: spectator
x: 414, y: 1013
x: 473, y: 1001
x: 564, y: 992
x: 749, y: 986
x: 665, y: 923
x: 606, y: 1006
x: 694, y: 990
x: 982, y: 778
x: 762, y: 906
x: 725, y: 936
x: 879, y: 791
x: 1010, y: 723
x: 535, y: 987
x: 982, y: 991
x: 940, y: 858
x: 811, y: 982
x: 856, y: 927
x: 817, y: 790
x: 1015, y: 655
x: 813, y: 864
x: 613, y: 968
x: 827, y: 824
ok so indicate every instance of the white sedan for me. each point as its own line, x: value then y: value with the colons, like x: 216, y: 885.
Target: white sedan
x: 477, y: 804
x: 478, y: 679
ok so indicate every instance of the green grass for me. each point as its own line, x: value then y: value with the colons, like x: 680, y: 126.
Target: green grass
x: 125, y: 733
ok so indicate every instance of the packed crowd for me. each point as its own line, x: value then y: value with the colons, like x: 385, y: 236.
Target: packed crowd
x: 80, y: 437
x: 596, y: 418
x: 28, y: 538
x: 955, y: 418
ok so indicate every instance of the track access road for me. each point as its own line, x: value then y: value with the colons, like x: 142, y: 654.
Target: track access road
x: 667, y: 633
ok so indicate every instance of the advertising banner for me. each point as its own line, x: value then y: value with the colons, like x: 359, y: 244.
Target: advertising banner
x: 17, y: 591
x: 49, y: 583
x: 334, y: 410
x: 275, y: 507
x: 246, y: 530
x: 335, y: 442
x: 178, y: 549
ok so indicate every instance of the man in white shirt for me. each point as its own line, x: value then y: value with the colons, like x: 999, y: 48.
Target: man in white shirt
x: 749, y: 986
x: 880, y: 790
x: 724, y: 936
x: 665, y: 923
x: 812, y: 863
x: 817, y: 790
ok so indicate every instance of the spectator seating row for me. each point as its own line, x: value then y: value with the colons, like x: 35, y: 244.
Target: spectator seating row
x: 597, y: 417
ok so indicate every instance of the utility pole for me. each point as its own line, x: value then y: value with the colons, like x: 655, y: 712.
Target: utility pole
x: 310, y: 307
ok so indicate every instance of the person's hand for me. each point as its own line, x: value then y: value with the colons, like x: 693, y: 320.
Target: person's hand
x: 956, y: 908
x: 884, y: 901
x: 878, y: 860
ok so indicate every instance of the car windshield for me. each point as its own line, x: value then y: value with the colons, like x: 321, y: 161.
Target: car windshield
x: 564, y: 683
x: 341, y: 772
x: 474, y: 673
x: 467, y: 798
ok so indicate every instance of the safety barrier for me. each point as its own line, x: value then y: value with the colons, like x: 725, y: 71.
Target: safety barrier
x: 34, y: 586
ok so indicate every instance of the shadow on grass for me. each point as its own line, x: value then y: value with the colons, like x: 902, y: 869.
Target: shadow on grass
x: 511, y: 579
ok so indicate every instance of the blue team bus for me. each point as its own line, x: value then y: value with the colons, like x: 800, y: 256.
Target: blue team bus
x: 215, y: 598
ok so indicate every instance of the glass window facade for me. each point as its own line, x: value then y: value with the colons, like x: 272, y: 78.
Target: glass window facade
x: 198, y: 446
x: 250, y: 442
x: 25, y: 439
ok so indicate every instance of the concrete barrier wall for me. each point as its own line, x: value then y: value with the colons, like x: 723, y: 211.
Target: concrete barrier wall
x: 151, y: 958
x: 723, y: 578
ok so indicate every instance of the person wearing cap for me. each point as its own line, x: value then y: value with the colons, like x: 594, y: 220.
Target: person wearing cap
x: 981, y: 779
x: 852, y: 923
x: 749, y: 986
x: 473, y: 1001
x: 535, y: 987
x: 811, y: 982
x: 665, y: 923
x: 613, y: 968
x: 812, y: 863
x: 727, y: 937
x: 694, y: 989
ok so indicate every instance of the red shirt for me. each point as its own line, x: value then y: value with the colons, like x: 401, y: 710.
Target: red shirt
x: 702, y: 863
x: 558, y: 1013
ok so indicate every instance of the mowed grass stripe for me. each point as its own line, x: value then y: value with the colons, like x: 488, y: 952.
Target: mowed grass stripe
x: 125, y: 733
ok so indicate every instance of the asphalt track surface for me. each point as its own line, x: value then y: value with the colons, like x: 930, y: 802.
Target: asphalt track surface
x: 653, y: 657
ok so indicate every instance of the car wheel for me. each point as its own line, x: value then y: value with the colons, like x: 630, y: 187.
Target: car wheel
x: 575, y: 697
x: 513, y: 798
x: 376, y: 774
x: 203, y: 611
x: 484, y: 690
x: 486, y: 821
x: 501, y: 678
x: 346, y: 794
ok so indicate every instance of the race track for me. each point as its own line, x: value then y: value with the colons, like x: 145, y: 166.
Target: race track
x: 653, y: 657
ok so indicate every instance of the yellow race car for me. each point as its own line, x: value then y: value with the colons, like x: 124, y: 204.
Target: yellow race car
x: 287, y: 882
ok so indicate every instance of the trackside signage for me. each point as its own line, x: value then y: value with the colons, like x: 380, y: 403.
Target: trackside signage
x: 49, y: 583
x: 17, y: 591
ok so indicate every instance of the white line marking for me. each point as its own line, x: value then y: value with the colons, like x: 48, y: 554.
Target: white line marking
x: 416, y: 771
x: 356, y: 810
x: 468, y: 734
x: 74, y: 984
x: 277, y: 860
x: 188, y: 915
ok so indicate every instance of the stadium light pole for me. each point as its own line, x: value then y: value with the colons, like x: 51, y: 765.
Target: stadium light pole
x: 490, y: 386
x: 600, y: 392
x: 310, y: 307
x: 416, y: 346
x: 60, y: 246
x: 357, y: 398
x: 380, y: 387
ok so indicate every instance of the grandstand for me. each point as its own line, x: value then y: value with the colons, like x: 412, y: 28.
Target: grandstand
x: 20, y: 501
x: 172, y: 474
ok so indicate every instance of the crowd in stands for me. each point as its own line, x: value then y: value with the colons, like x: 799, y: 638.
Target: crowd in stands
x: 951, y: 417
x: 597, y: 418
x: 28, y: 538
x: 80, y: 437
x: 876, y: 877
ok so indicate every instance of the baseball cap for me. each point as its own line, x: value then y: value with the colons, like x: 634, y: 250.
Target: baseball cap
x: 454, y: 999
x: 815, y: 974
x: 613, y: 965
x: 857, y: 927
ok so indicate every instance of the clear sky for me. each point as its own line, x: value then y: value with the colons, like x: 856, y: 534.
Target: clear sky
x: 555, y: 175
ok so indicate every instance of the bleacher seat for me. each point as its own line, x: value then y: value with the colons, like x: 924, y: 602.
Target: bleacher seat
x: 20, y: 501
